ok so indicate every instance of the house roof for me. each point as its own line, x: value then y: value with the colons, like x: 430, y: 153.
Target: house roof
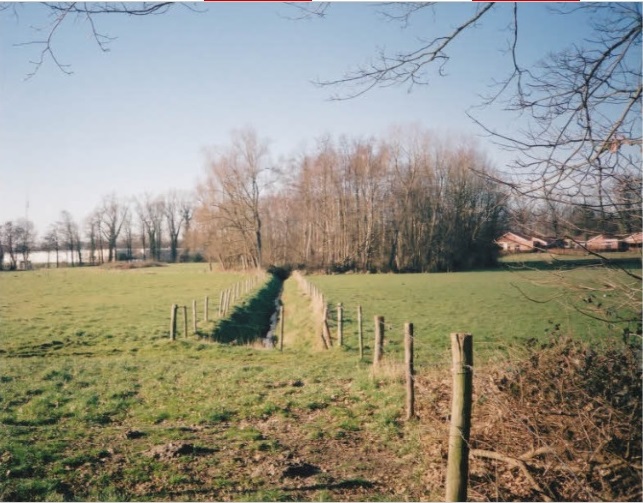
x: 634, y: 238
x: 516, y: 237
x: 602, y: 237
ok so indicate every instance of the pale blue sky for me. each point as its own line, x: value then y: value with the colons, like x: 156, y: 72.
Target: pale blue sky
x: 138, y: 118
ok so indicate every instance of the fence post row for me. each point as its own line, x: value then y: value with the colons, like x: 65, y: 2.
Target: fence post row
x: 458, y: 460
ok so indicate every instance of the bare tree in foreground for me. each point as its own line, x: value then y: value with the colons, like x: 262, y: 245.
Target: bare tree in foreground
x: 582, y: 103
x: 62, y: 14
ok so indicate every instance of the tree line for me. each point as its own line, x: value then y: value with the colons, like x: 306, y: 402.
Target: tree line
x: 117, y: 229
x: 410, y: 202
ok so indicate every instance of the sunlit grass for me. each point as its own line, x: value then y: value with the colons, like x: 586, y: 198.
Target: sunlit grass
x: 85, y: 357
x: 500, y: 308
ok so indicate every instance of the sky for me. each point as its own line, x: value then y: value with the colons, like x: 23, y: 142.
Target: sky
x: 139, y: 118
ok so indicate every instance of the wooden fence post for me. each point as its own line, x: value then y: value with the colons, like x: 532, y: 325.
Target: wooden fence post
x: 458, y: 461
x: 282, y: 313
x: 379, y: 341
x: 221, y: 297
x: 325, y: 331
x: 173, y: 321
x: 360, y: 335
x: 226, y: 305
x: 206, y: 301
x: 340, y: 324
x: 194, y: 317
x: 185, y: 321
x: 410, y: 374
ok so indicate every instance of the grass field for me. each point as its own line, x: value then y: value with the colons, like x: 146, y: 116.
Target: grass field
x: 97, y: 403
x: 500, y: 308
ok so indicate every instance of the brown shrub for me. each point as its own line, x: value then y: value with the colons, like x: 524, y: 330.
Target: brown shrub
x: 563, y: 424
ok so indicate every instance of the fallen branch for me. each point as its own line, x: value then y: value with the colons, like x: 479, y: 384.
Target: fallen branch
x: 482, y: 453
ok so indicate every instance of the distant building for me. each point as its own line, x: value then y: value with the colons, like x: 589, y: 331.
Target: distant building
x: 605, y: 242
x: 634, y: 240
x: 513, y: 242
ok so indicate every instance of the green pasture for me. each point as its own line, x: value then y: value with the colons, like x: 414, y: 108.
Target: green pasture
x: 85, y: 359
x: 91, y: 310
x: 90, y: 382
x: 502, y: 308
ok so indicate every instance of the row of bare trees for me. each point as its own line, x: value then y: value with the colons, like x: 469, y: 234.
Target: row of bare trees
x: 411, y: 202
x: 126, y: 228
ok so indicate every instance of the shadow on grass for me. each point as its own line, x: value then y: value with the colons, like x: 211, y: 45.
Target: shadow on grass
x: 250, y: 320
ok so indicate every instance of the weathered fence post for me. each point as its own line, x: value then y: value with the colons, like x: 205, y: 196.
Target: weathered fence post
x: 206, y: 301
x: 185, y: 321
x: 194, y: 317
x: 379, y: 341
x: 221, y: 297
x: 173, y: 321
x: 360, y: 335
x: 226, y: 305
x: 324, y: 329
x: 458, y: 461
x: 282, y: 313
x: 340, y: 324
x: 408, y: 360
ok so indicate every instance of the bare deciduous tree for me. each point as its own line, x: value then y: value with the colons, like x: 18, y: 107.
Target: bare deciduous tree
x: 178, y: 213
x: 150, y: 212
x: 231, y: 198
x: 112, y: 213
x: 582, y: 102
x: 51, y: 242
x: 24, y: 238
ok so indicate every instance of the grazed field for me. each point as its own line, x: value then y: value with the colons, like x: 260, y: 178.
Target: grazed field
x: 500, y: 308
x: 98, y: 404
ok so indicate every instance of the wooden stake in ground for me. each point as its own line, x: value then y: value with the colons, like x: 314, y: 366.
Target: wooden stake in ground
x: 185, y: 321
x: 458, y: 461
x: 360, y: 334
x: 379, y: 341
x: 221, y: 297
x: 282, y: 313
x: 173, y: 310
x: 206, y: 301
x: 340, y: 324
x: 410, y: 374
x: 194, y: 317
x: 324, y: 329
